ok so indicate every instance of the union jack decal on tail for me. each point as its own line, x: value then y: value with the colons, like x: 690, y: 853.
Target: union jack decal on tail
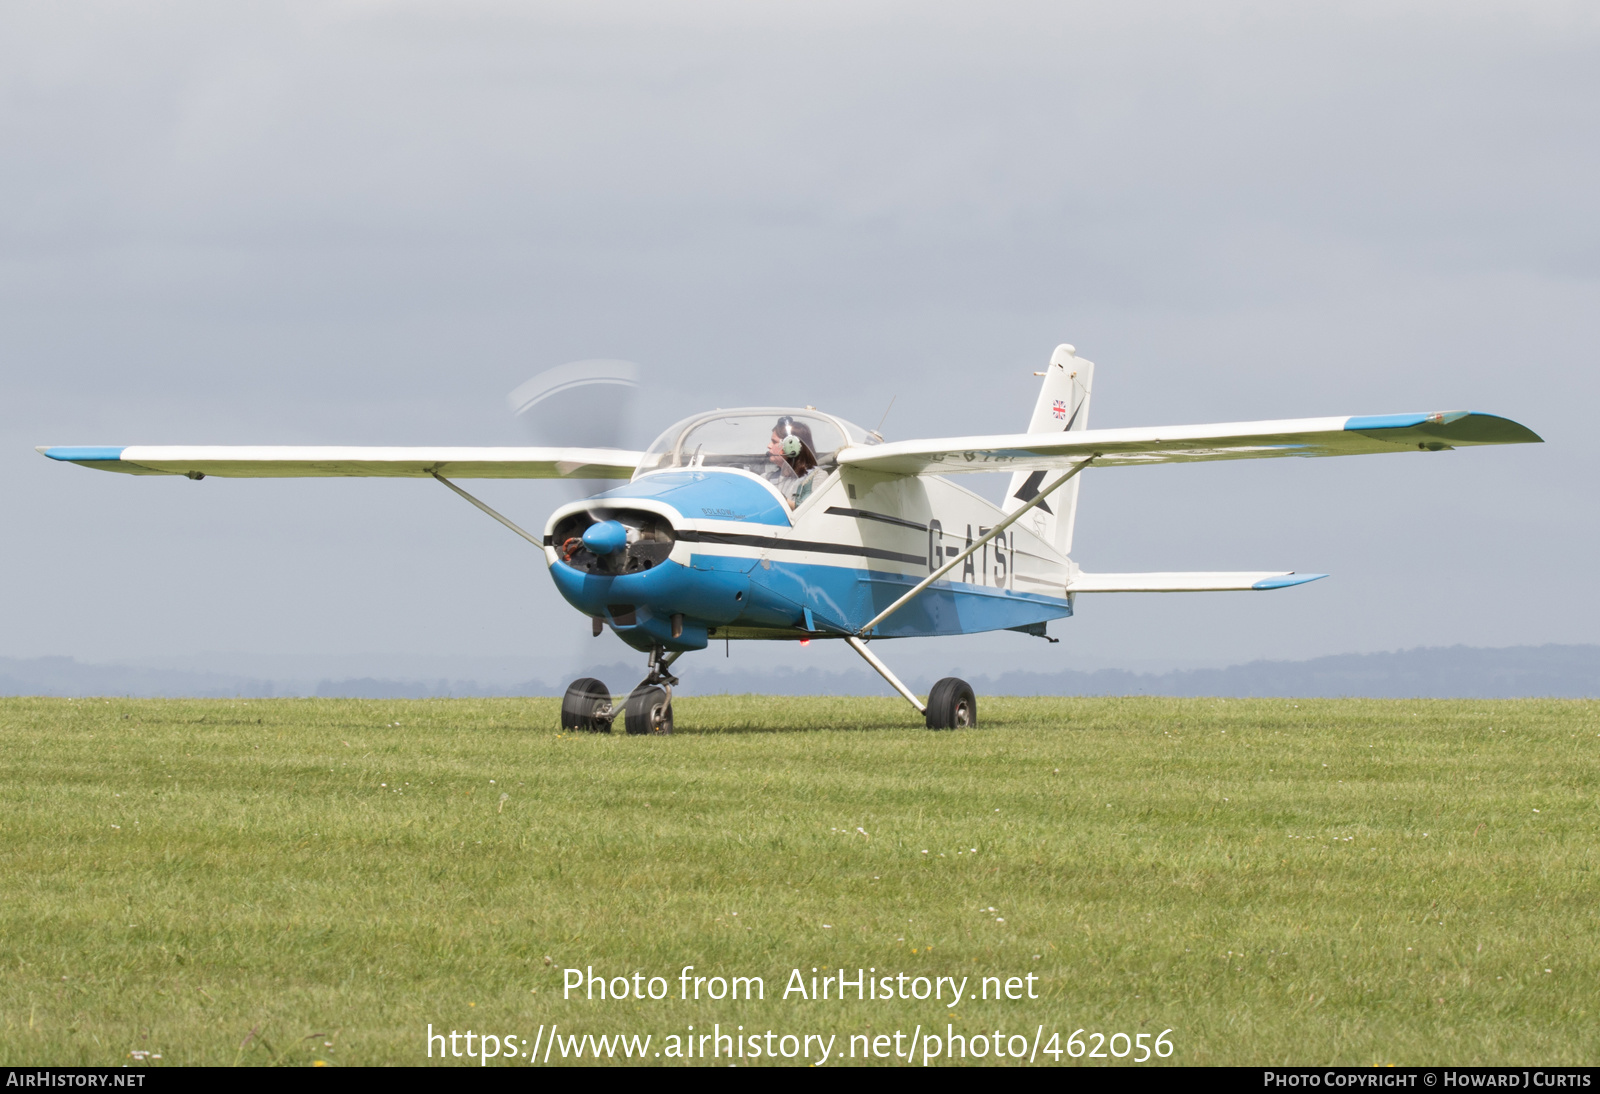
x: 1059, y: 409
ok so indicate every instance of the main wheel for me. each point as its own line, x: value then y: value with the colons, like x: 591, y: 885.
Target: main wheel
x: 648, y: 710
x: 952, y: 705
x: 583, y: 704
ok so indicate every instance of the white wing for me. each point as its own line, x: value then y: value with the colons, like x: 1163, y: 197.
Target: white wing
x: 1184, y: 443
x: 243, y: 462
x: 1193, y: 582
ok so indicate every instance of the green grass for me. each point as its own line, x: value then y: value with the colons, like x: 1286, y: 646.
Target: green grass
x: 1347, y: 882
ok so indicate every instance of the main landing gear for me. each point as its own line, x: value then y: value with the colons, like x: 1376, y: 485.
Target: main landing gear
x: 951, y: 704
x: 587, y: 704
x: 647, y: 709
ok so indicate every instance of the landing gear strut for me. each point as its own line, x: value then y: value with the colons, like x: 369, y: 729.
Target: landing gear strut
x: 647, y: 709
x: 951, y: 704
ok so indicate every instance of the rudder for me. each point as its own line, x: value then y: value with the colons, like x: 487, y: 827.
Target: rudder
x: 1063, y: 406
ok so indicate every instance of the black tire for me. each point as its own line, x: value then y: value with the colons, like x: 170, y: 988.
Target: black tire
x: 648, y: 710
x: 952, y: 705
x: 582, y: 704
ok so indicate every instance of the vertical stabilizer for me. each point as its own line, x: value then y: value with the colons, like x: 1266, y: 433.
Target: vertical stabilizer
x: 1063, y: 406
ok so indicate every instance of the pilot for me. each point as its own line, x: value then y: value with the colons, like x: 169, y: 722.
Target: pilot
x: 793, y: 454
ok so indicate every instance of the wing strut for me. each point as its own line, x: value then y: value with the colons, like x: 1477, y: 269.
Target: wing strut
x: 503, y: 520
x: 1033, y: 502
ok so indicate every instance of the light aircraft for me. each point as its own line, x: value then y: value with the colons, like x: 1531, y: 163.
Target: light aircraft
x: 773, y: 523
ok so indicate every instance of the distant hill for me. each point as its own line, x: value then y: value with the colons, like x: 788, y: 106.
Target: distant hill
x: 1460, y: 672
x: 66, y: 676
x: 1447, y: 672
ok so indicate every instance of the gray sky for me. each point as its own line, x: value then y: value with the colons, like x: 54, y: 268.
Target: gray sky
x: 367, y: 222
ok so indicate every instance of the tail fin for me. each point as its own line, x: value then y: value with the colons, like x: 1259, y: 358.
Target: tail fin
x: 1063, y: 406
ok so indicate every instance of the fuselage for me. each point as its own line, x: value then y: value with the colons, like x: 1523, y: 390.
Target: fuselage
x: 716, y: 552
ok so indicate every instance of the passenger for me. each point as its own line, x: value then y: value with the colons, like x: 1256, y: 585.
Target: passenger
x: 793, y: 454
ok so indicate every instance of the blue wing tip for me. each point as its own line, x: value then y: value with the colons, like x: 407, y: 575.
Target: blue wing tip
x: 1384, y: 421
x: 1287, y: 580
x: 1452, y: 427
x: 82, y: 454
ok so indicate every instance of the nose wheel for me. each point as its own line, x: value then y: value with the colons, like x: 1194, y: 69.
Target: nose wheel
x: 649, y: 706
x: 587, y: 704
x: 648, y: 710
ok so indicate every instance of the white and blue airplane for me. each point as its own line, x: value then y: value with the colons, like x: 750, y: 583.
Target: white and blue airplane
x: 773, y: 523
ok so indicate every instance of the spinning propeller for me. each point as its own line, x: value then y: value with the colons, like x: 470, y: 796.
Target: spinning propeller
x: 581, y: 404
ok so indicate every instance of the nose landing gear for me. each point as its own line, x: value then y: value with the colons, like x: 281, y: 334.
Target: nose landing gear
x: 587, y: 706
x: 647, y: 709
x: 649, y: 706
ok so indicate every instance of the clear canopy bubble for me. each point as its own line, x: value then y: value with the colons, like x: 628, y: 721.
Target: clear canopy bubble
x: 742, y: 439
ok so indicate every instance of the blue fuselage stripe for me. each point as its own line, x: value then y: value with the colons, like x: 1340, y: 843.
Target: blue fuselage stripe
x: 773, y: 595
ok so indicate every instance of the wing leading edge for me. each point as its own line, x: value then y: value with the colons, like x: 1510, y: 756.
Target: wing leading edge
x: 1189, y: 443
x: 274, y: 462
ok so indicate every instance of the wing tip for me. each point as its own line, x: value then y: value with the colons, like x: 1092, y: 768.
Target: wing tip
x: 1464, y: 427
x: 81, y: 453
x: 1286, y: 581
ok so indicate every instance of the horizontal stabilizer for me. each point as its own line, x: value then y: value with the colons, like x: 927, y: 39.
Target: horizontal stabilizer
x: 279, y: 462
x: 1186, y: 582
x: 1189, y: 443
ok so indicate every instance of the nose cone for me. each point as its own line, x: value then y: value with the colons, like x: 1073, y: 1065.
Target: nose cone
x: 605, y: 537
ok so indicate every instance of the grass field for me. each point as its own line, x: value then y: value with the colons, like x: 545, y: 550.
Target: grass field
x: 291, y: 881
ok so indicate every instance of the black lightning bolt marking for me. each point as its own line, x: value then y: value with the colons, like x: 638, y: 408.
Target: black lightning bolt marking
x: 1030, y: 490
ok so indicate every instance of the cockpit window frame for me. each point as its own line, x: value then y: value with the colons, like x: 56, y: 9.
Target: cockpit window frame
x: 659, y: 451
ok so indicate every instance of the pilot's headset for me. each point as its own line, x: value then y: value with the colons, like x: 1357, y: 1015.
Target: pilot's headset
x: 794, y: 439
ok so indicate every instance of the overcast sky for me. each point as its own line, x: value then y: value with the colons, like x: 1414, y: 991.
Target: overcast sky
x: 367, y: 222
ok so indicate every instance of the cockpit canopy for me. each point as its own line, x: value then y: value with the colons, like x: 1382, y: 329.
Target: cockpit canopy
x: 740, y: 438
